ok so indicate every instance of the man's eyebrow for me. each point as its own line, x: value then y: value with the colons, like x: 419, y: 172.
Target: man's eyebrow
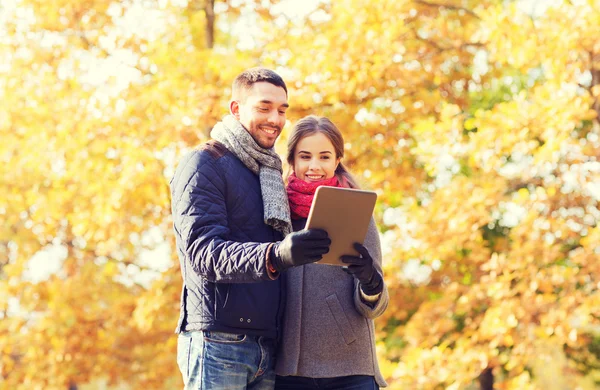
x: 286, y: 105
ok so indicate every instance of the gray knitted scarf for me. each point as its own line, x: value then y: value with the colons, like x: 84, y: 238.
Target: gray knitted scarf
x: 263, y: 162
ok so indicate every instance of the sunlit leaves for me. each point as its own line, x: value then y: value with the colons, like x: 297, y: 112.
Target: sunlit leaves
x: 476, y: 121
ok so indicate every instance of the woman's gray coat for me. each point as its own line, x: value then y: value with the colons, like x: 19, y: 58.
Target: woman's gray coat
x: 328, y: 329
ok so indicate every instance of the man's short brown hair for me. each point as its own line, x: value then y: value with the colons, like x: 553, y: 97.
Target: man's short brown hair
x: 244, y: 81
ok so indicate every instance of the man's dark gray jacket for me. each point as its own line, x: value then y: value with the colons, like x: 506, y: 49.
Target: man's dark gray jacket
x: 222, y: 243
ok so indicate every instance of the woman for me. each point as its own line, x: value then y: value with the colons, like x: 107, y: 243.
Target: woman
x: 328, y: 338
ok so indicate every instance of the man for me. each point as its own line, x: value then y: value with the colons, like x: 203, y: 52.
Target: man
x: 233, y: 230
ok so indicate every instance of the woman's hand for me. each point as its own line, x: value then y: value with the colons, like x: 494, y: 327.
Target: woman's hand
x: 362, y: 268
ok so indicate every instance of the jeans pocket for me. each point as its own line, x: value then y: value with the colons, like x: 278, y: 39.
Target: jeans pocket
x: 340, y: 318
x: 224, y: 338
x: 184, y: 341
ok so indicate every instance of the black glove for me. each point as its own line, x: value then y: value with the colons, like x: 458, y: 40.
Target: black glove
x: 361, y: 267
x: 299, y: 248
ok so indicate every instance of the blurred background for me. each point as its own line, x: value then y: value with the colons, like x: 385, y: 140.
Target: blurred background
x: 476, y: 121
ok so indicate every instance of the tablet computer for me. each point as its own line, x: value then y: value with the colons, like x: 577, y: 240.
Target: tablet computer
x: 345, y: 214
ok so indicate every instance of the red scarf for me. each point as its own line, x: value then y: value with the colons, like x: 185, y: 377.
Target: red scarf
x: 301, y: 193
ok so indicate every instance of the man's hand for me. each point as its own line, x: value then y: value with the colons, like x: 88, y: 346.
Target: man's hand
x: 361, y: 267
x: 299, y: 248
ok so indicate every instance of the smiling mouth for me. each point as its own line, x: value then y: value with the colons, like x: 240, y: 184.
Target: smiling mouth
x: 269, y: 130
x: 314, y: 177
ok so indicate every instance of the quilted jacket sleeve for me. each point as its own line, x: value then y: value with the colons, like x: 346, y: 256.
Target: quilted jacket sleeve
x: 373, y: 245
x: 198, y: 191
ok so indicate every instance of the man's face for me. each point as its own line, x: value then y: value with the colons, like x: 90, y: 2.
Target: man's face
x: 262, y: 112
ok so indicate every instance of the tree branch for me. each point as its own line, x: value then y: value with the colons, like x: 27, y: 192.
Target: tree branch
x: 450, y: 7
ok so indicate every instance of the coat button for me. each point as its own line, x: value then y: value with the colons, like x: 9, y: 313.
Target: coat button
x: 241, y: 320
x: 249, y: 320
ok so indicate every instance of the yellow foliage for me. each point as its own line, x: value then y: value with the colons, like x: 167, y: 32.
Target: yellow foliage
x: 476, y: 121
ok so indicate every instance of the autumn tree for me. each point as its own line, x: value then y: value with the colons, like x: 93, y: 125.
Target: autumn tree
x: 99, y: 98
x: 476, y: 122
x: 505, y: 226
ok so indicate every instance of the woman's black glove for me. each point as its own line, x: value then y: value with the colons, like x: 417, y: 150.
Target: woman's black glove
x: 361, y: 267
x: 299, y: 248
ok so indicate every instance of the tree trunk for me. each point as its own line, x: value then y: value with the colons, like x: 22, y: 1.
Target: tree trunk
x: 209, y: 10
x: 486, y: 379
x: 595, y: 71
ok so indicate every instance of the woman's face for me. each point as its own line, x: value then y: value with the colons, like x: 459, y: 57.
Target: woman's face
x: 314, y: 158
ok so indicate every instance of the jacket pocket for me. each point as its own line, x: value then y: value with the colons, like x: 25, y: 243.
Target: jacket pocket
x: 340, y: 318
x: 250, y: 306
x: 221, y: 297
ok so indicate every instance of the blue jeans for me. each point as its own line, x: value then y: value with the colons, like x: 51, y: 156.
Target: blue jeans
x: 352, y: 382
x: 225, y: 361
